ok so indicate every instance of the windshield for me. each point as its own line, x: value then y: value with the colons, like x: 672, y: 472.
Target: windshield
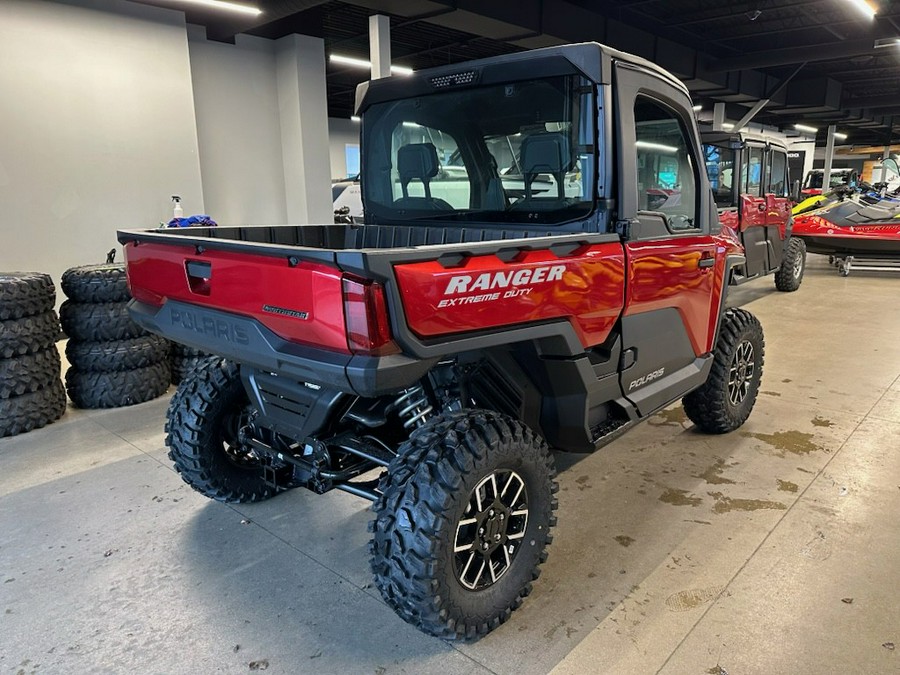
x: 520, y: 152
x: 814, y: 179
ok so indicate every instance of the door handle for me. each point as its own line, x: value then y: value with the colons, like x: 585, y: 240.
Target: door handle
x: 706, y: 261
x: 761, y: 207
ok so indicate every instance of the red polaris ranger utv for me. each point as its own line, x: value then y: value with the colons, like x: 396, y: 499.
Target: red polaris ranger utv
x: 519, y: 283
x: 749, y: 178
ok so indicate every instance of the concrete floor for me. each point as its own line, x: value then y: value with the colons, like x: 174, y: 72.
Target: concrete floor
x: 770, y: 550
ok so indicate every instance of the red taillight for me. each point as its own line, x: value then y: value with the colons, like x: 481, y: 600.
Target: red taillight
x: 366, y: 317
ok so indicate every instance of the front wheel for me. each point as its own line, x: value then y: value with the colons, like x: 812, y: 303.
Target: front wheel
x: 724, y: 401
x: 203, y: 427
x: 789, y: 276
x: 463, y: 523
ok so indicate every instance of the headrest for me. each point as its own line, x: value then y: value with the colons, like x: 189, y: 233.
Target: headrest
x: 548, y: 152
x: 417, y: 160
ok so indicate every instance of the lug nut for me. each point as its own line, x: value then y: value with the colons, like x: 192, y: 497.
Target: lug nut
x: 491, y: 513
x: 484, y: 546
x: 480, y: 530
x: 496, y: 537
x: 502, y: 516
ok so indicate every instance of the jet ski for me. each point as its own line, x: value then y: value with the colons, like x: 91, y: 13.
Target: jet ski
x: 851, y: 231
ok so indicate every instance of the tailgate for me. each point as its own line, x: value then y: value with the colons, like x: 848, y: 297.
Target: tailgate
x: 300, y: 301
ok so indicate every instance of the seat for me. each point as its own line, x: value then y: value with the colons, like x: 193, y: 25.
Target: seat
x: 549, y: 152
x: 418, y: 161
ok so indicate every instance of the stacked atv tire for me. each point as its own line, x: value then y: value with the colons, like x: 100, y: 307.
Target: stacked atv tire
x: 114, y: 362
x: 31, y: 392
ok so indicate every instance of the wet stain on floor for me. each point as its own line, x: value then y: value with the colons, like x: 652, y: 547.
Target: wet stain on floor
x: 582, y: 482
x: 795, y: 442
x: 679, y: 498
x: 821, y: 422
x: 786, y: 485
x: 770, y: 393
x: 713, y: 473
x: 717, y: 670
x: 624, y: 540
x: 786, y: 380
x: 674, y: 417
x: 682, y: 601
x: 726, y: 504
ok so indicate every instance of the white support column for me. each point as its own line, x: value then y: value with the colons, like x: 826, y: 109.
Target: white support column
x: 829, y: 157
x: 718, y: 116
x: 303, y: 112
x: 380, y: 45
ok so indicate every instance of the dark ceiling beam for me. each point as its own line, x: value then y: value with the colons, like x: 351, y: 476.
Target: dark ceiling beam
x: 871, y: 102
x: 787, y: 56
x: 272, y: 10
x: 740, y: 10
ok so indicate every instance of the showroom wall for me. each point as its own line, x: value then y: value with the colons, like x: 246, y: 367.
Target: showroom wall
x: 236, y: 102
x: 98, y: 127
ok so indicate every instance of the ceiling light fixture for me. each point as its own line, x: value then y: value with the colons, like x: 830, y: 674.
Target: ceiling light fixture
x: 698, y: 107
x: 841, y: 137
x: 354, y: 118
x: 362, y: 63
x: 864, y: 7
x: 227, y: 6
x: 647, y: 145
x: 881, y: 43
x: 803, y: 127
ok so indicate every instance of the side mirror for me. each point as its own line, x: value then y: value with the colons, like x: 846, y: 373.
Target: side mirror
x: 795, y: 192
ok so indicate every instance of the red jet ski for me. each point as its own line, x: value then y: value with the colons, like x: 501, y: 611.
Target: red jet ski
x: 851, y: 231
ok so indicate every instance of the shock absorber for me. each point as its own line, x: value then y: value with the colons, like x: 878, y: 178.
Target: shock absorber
x: 413, y: 407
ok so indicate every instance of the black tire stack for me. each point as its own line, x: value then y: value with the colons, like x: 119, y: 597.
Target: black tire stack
x: 31, y: 392
x: 114, y: 362
x: 185, y: 360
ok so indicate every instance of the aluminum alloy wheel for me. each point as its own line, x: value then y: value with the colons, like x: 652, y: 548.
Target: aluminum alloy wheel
x: 798, y: 267
x: 491, y: 530
x: 740, y: 377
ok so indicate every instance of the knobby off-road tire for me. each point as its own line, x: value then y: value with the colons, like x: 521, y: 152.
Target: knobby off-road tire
x: 184, y: 351
x: 202, y: 426
x: 182, y: 367
x: 32, y: 411
x: 117, y: 355
x: 25, y: 294
x: 117, y: 389
x: 96, y: 283
x: 25, y: 374
x: 428, y: 511
x: 725, y: 400
x: 28, y: 335
x: 790, y: 275
x: 98, y: 322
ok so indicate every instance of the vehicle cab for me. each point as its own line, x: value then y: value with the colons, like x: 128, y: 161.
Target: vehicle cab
x: 812, y: 185
x: 749, y: 177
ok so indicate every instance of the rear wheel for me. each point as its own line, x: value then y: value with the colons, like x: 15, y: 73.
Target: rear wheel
x: 725, y: 400
x: 203, y: 435
x: 463, y: 523
x: 790, y: 275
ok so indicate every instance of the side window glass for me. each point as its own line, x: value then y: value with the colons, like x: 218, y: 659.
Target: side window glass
x: 751, y: 172
x: 777, y: 178
x: 720, y: 170
x: 666, y: 169
x: 420, y: 149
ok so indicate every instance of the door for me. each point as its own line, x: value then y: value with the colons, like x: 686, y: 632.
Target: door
x: 778, y: 203
x: 670, y: 253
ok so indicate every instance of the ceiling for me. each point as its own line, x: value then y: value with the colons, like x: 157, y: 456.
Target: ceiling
x: 814, y: 59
